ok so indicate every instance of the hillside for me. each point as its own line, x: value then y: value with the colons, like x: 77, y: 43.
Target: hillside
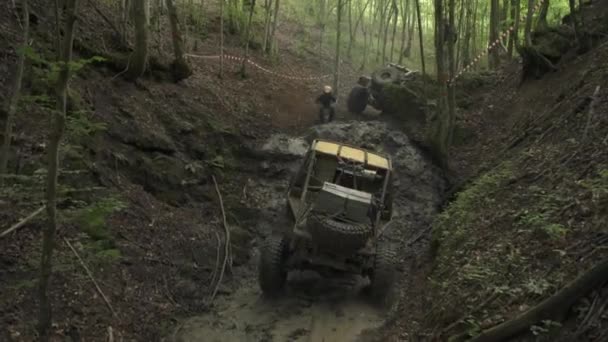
x: 153, y: 171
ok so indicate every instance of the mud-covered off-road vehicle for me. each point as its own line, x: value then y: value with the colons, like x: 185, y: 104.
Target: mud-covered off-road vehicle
x: 340, y: 202
x: 387, y: 89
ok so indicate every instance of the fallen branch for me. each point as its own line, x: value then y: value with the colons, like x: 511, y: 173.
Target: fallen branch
x: 591, y: 111
x: 105, y: 299
x: 227, y: 263
x: 217, y: 257
x: 552, y: 307
x: 23, y: 222
x: 110, y: 334
x: 487, y: 301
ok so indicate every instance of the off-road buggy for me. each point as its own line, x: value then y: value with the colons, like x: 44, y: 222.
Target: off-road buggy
x: 372, y: 90
x: 340, y: 202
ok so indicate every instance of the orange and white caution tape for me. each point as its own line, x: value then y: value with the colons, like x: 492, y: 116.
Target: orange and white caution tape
x: 493, y: 45
x: 258, y: 66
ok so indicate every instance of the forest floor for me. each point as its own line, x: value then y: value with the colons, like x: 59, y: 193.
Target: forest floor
x: 144, y: 215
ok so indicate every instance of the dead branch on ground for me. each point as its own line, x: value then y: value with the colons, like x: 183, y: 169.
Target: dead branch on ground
x: 591, y: 112
x: 23, y: 222
x: 227, y: 263
x: 553, y: 307
x: 105, y: 299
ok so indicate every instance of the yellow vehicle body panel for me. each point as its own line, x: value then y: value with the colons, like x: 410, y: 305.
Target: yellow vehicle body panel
x: 352, y: 153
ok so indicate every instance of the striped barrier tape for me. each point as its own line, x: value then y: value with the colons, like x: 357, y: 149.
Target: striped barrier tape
x: 258, y: 66
x: 493, y: 45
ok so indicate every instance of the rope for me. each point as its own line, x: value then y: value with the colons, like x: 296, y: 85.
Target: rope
x: 494, y: 44
x: 263, y: 69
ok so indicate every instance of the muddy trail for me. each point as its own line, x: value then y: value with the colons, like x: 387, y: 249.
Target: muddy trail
x: 315, y: 308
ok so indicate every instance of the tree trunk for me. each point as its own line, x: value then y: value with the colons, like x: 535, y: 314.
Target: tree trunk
x: 460, y: 26
x: 124, y: 22
x: 474, y: 30
x: 180, y: 66
x: 528, y: 28
x: 337, y: 62
x: 351, y: 33
x: 247, y: 38
x: 13, y: 101
x: 541, y: 23
x: 273, y: 40
x: 139, y: 60
x: 267, y: 15
x: 58, y: 127
x: 513, y: 37
x: 439, y: 130
x: 221, y: 74
x: 365, y: 46
x: 494, y: 58
x: 404, y: 13
x: 410, y: 31
x: 395, y: 20
x: 357, y: 23
x: 385, y: 36
x: 466, y: 56
x: 504, y: 19
x: 575, y: 23
x: 452, y: 69
x: 420, y: 38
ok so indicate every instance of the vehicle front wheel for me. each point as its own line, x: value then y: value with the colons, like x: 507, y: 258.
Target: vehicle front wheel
x: 272, y: 269
x: 382, y: 276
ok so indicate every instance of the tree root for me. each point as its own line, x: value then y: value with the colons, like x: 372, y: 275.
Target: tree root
x: 554, y: 307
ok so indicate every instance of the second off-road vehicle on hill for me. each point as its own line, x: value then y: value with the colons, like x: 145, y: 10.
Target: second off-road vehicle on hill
x: 373, y: 90
x: 340, y: 202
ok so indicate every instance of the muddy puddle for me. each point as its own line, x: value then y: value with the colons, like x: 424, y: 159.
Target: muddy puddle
x: 312, y: 309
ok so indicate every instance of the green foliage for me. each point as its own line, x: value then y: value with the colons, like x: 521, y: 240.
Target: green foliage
x: 453, y: 222
x: 540, y: 223
x: 79, y: 124
x: 545, y: 327
x: 597, y: 185
x: 92, y: 219
x: 48, y: 71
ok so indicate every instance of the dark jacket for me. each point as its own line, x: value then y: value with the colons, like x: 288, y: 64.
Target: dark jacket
x: 326, y: 99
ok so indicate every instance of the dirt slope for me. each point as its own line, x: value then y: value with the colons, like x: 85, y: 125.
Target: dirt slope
x: 532, y: 215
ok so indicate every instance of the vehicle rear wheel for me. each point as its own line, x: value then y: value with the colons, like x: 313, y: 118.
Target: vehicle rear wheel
x: 382, y: 276
x: 338, y: 235
x: 272, y: 269
x: 357, y: 99
x: 384, y: 76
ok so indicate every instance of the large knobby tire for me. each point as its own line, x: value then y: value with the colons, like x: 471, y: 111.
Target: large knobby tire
x: 357, y: 99
x: 337, y: 235
x: 383, y: 275
x: 272, y: 270
x: 384, y: 76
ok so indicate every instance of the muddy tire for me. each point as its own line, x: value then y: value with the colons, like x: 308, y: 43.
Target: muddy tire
x: 337, y: 235
x: 357, y: 99
x: 382, y: 276
x: 384, y: 76
x: 272, y: 270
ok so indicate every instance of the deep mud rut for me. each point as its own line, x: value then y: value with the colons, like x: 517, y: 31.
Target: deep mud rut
x: 313, y: 308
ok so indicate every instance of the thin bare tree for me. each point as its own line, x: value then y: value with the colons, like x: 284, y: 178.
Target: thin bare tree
x: 139, y: 61
x: 180, y: 66
x: 247, y: 39
x: 337, y: 61
x: 58, y: 127
x: 13, y: 100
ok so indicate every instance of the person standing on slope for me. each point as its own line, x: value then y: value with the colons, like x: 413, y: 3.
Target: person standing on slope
x: 327, y: 100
